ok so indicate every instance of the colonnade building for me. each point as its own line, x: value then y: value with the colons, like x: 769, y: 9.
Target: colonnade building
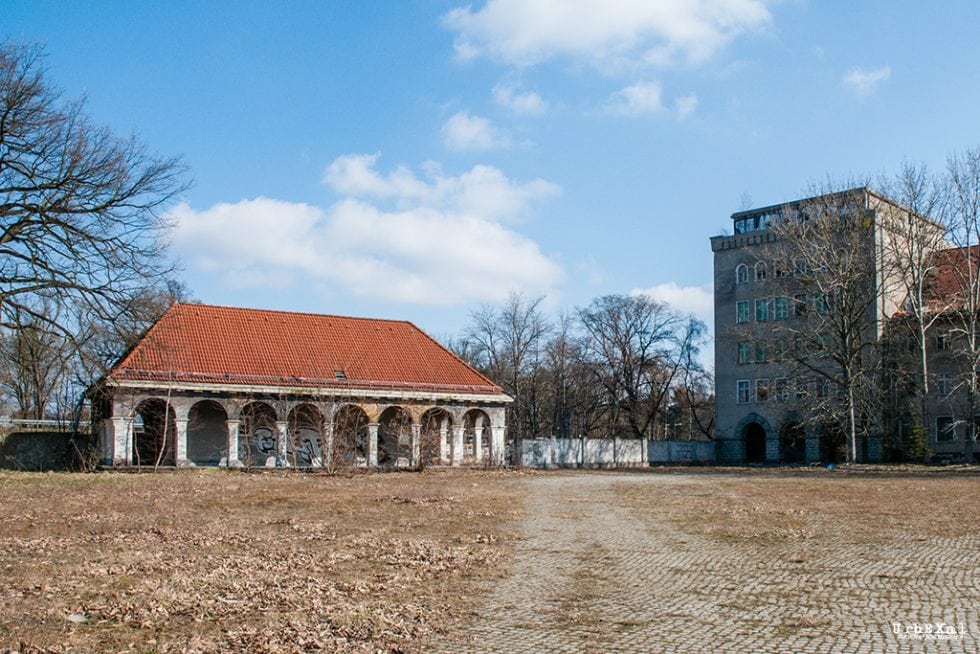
x: 224, y: 386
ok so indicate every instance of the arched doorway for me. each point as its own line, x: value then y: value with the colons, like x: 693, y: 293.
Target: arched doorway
x: 154, y: 434
x: 476, y: 450
x: 303, y: 446
x: 350, y: 434
x: 436, y: 427
x: 207, y: 433
x: 754, y: 439
x: 792, y: 443
x: 257, y: 434
x: 833, y: 444
x: 395, y: 437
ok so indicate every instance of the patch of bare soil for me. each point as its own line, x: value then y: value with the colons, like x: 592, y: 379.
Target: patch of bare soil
x: 216, y: 561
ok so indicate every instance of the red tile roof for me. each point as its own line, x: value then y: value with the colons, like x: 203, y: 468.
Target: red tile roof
x: 228, y: 345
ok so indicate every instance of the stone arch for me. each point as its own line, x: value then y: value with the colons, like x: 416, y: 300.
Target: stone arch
x: 395, y: 437
x: 434, y: 434
x: 207, y: 433
x: 476, y: 436
x: 154, y: 433
x: 748, y: 433
x: 256, y: 434
x: 304, y: 440
x: 833, y: 443
x: 792, y: 442
x: 350, y: 435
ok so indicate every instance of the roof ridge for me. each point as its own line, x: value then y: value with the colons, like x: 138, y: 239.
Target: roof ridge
x: 287, y: 312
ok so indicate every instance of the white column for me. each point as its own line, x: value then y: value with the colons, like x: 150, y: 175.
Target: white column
x: 497, y: 445
x: 444, y: 441
x: 122, y: 441
x: 372, y: 458
x: 180, y: 445
x: 326, y: 447
x: 281, y: 435
x: 416, y: 448
x: 478, y: 430
x: 232, y: 456
x: 457, y: 451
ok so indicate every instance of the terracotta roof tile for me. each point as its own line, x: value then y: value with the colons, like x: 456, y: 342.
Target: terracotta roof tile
x: 204, y: 343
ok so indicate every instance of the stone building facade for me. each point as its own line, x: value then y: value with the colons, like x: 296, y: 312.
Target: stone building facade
x: 223, y: 386
x: 764, y: 401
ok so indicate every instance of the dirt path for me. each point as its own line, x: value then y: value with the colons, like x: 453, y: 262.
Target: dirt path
x: 601, y: 570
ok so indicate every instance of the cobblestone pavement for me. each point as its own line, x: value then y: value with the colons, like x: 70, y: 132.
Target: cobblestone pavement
x: 597, y: 573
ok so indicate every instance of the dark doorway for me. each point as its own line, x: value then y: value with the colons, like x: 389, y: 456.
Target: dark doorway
x: 754, y: 437
x: 792, y: 442
x: 833, y: 444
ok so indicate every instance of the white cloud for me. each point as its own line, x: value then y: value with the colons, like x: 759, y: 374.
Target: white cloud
x: 441, y: 241
x: 527, y: 103
x: 603, y: 33
x: 688, y: 299
x: 865, y: 82
x: 639, y: 99
x: 685, y: 105
x: 464, y: 131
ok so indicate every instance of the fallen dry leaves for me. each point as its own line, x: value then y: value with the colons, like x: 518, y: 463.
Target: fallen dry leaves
x: 217, y: 561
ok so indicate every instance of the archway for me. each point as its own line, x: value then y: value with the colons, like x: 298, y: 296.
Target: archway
x: 436, y: 425
x: 350, y: 434
x: 792, y: 443
x: 476, y: 423
x: 207, y: 433
x: 257, y: 434
x: 303, y: 446
x: 154, y: 434
x: 833, y: 444
x: 754, y: 439
x: 395, y: 437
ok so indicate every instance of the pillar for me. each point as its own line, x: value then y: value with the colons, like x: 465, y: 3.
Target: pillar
x: 122, y: 441
x: 416, y: 446
x: 180, y: 446
x: 444, y: 441
x: 772, y: 447
x: 326, y: 454
x: 282, y: 433
x: 812, y: 445
x: 372, y: 445
x: 478, y: 430
x: 457, y: 450
x: 232, y: 456
x: 497, y: 453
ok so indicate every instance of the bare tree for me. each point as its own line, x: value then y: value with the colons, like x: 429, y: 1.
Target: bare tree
x: 81, y: 223
x: 33, y: 367
x: 834, y: 334
x: 960, y: 212
x: 636, y: 348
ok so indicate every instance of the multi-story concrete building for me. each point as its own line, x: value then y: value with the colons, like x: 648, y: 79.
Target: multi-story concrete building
x: 766, y: 400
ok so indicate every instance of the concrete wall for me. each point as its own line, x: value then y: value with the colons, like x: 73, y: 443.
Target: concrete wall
x: 611, y: 452
x: 40, y: 450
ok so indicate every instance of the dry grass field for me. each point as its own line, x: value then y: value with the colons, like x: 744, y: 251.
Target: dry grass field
x: 751, y: 560
x: 212, y: 561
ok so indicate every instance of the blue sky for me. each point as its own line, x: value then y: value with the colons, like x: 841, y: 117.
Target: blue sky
x: 418, y: 159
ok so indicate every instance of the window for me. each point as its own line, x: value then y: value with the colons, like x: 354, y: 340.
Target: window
x: 801, y: 385
x: 823, y: 388
x: 943, y: 385
x: 780, y: 308
x: 762, y: 309
x: 945, y: 429
x: 781, y: 389
x: 761, y: 390
x: 760, y: 271
x: 745, y: 353
x: 741, y: 274
x: 821, y: 304
x: 799, y: 305
x: 942, y: 341
x: 340, y: 375
x: 742, y: 311
x: 761, y: 353
x: 779, y: 271
x: 744, y: 391
x: 799, y: 267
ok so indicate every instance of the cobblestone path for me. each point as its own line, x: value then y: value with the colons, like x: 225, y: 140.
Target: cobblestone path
x: 594, y: 573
